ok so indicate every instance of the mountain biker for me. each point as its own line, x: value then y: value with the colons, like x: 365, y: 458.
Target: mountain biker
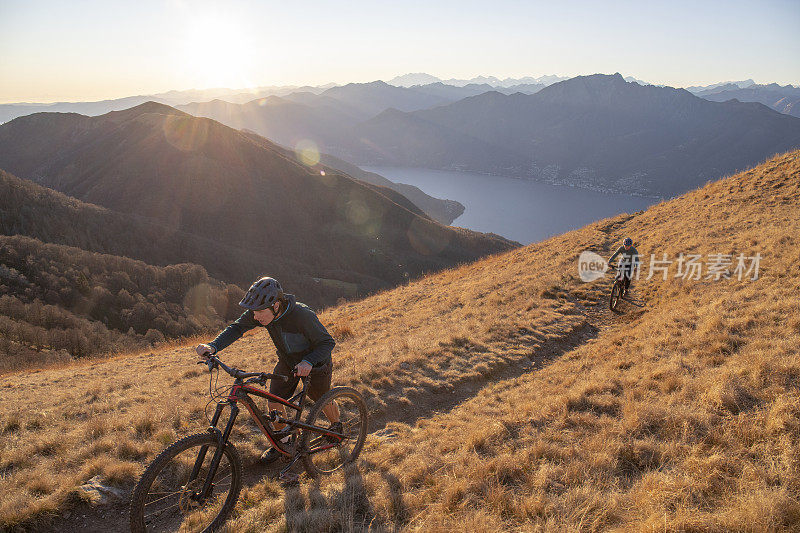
x: 629, y: 259
x: 303, y: 344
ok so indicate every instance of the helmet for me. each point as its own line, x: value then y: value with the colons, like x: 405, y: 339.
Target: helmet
x: 628, y: 241
x: 262, y: 294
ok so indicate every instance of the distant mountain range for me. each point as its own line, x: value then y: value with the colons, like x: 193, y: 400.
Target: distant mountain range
x: 598, y: 131
x: 783, y: 99
x: 12, y: 111
x: 594, y: 131
x: 697, y: 89
x: 322, y: 118
x: 607, y: 136
x: 332, y: 118
x: 226, y: 188
x: 451, y: 92
x: 298, y: 94
x: 288, y: 120
x: 420, y: 78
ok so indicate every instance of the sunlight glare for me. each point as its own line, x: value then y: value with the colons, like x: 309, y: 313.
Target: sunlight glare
x: 216, y: 52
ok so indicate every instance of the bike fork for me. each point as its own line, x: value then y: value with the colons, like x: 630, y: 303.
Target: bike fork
x: 201, y: 457
x: 222, y: 440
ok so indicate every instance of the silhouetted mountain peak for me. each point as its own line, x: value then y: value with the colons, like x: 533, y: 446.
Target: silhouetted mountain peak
x: 597, y: 80
x: 377, y: 84
x: 388, y: 114
x: 611, y: 89
x: 144, y: 109
x: 417, y: 78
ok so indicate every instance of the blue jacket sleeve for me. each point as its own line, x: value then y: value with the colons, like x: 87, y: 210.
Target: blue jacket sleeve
x: 233, y: 332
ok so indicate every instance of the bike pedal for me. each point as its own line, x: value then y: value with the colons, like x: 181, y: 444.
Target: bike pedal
x: 289, y: 478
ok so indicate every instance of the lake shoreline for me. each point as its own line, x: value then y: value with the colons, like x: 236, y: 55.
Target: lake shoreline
x: 517, y: 208
x: 547, y: 181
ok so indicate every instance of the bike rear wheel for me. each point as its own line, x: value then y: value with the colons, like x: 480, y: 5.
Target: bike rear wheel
x: 166, y: 497
x: 616, y: 295
x: 325, y: 454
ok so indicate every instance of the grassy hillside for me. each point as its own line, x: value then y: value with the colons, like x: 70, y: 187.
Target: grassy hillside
x: 195, y: 175
x: 503, y: 393
x: 50, y: 216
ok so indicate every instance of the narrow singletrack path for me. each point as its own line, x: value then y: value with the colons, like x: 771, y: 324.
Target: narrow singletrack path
x: 526, y: 350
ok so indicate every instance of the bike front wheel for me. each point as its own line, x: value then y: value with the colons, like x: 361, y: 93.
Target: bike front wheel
x: 324, y: 454
x: 616, y: 295
x: 168, y: 495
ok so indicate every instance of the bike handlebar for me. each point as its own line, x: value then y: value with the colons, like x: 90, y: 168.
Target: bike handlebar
x: 214, y: 362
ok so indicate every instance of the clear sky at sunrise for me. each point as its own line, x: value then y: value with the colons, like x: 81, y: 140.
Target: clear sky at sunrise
x: 90, y: 50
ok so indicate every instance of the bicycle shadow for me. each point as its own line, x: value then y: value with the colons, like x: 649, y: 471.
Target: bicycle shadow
x: 349, y: 508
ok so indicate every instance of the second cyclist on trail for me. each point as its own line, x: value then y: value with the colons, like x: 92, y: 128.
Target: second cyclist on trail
x: 303, y: 344
x: 628, y: 261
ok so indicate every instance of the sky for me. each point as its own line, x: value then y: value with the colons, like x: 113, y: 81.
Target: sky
x: 85, y: 50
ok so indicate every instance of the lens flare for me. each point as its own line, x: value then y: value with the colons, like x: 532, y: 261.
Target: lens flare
x: 427, y: 237
x: 185, y: 133
x: 307, y: 152
x: 197, y: 299
x: 357, y: 212
x: 366, y: 217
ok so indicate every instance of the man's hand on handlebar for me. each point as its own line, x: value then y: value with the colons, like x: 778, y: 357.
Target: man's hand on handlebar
x: 302, y: 369
x: 204, y: 350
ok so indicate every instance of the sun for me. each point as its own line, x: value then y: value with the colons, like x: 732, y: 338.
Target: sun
x: 216, y: 52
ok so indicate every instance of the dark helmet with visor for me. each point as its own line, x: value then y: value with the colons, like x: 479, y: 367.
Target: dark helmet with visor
x: 628, y: 241
x: 262, y: 294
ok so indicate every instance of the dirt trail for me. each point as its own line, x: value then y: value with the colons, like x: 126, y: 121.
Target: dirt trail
x: 531, y: 351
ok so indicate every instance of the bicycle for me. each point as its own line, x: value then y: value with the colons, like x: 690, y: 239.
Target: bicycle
x: 617, y: 289
x: 182, y: 489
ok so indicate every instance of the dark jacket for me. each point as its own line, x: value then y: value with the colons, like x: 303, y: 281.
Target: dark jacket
x: 297, y: 333
x: 627, y: 258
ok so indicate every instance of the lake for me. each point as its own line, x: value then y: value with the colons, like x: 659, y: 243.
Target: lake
x: 521, y: 210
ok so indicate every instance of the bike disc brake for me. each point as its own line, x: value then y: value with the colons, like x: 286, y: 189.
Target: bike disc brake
x: 187, y: 502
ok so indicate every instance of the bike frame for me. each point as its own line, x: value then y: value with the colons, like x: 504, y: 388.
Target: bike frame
x: 240, y: 393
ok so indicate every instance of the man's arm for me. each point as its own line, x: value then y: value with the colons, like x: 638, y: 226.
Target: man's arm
x: 318, y: 337
x: 619, y: 251
x: 234, y: 331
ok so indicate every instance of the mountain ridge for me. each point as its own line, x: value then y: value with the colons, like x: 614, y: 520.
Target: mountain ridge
x: 783, y: 99
x: 593, y: 131
x: 199, y: 176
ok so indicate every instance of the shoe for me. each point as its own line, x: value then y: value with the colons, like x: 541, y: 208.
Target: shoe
x: 272, y: 455
x: 337, y: 428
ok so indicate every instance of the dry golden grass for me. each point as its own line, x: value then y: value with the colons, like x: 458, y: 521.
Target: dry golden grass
x: 111, y: 417
x: 552, y: 413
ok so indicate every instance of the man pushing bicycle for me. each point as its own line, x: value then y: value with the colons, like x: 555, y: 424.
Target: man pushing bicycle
x: 628, y: 260
x: 303, y: 344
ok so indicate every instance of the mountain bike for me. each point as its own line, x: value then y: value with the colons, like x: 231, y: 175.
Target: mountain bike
x: 194, y: 483
x: 617, y: 289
